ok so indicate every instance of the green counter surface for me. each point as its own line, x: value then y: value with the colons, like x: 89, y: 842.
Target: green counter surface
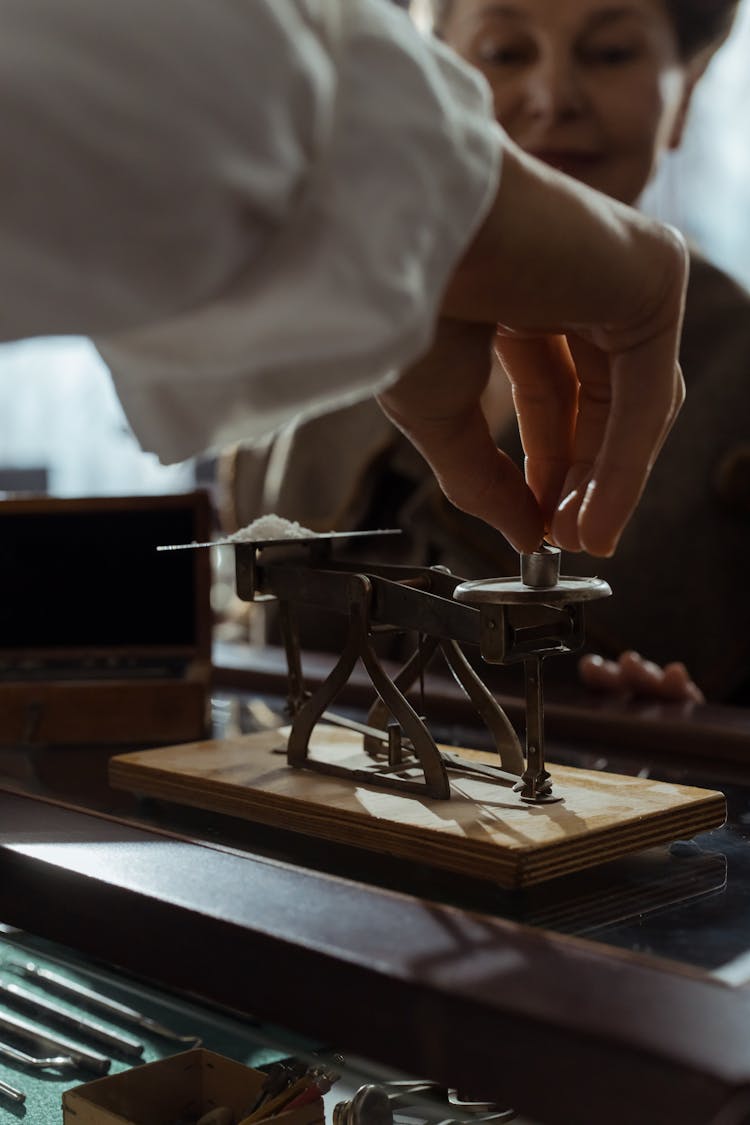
x: 248, y: 1043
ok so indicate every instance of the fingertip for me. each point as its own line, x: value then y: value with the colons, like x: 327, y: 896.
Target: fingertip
x: 599, y: 674
x: 677, y: 676
x: 632, y: 659
x: 564, y: 526
x: 517, y: 516
x: 597, y: 541
x: 596, y: 550
x: 603, y: 514
x: 595, y: 536
x: 569, y: 502
x: 524, y: 540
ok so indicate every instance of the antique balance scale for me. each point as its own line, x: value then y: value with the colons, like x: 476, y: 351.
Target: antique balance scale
x: 385, y: 785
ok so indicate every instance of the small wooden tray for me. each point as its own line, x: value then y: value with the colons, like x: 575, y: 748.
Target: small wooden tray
x: 184, y: 1086
x: 484, y: 830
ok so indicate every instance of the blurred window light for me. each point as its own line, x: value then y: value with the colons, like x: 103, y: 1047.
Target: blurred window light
x: 704, y: 187
x: 60, y: 414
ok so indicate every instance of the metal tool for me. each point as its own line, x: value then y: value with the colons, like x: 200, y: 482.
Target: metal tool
x: 271, y: 1106
x: 375, y: 1105
x: 43, y: 1041
x: 38, y: 1006
x: 12, y: 1093
x: 279, y: 1076
x: 369, y: 1106
x: 36, y: 1062
x: 289, y: 1084
x: 78, y: 993
x: 511, y: 620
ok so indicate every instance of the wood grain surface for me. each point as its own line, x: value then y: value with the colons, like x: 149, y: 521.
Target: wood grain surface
x: 484, y: 831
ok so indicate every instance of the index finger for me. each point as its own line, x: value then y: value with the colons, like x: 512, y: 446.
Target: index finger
x: 545, y: 393
x: 647, y: 393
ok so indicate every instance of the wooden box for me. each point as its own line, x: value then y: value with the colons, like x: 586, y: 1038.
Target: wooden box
x: 102, y: 638
x: 181, y: 1087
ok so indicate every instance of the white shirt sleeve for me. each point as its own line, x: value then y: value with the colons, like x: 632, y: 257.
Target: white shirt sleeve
x: 252, y: 205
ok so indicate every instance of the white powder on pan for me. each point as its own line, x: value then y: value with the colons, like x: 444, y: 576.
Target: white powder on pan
x: 271, y: 527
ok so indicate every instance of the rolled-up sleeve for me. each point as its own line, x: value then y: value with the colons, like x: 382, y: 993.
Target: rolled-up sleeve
x: 252, y: 205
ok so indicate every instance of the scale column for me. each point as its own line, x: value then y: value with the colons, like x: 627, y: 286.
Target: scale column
x: 535, y: 783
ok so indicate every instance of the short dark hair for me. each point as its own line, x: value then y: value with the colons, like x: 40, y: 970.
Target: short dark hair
x: 700, y: 25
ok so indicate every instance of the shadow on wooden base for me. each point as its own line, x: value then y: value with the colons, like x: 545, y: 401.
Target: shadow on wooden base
x: 484, y: 830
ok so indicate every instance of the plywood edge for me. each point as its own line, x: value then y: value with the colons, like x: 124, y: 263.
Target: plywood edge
x: 544, y: 863
x: 511, y: 869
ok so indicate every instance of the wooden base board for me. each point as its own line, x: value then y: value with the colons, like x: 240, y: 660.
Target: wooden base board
x: 484, y: 830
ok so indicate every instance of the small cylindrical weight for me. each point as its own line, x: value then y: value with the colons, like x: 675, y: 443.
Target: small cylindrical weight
x: 541, y: 568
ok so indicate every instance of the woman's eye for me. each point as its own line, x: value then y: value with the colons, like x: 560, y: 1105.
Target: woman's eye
x: 610, y: 54
x: 492, y: 53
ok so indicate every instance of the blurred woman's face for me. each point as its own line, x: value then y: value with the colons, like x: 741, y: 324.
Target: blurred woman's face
x: 595, y: 88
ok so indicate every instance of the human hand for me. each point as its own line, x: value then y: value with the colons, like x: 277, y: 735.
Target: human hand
x: 437, y: 403
x: 635, y: 676
x: 590, y: 298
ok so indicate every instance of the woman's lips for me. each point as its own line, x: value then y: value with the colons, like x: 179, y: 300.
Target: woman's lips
x: 572, y: 162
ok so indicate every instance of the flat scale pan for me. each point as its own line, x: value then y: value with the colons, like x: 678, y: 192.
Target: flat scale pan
x: 312, y: 538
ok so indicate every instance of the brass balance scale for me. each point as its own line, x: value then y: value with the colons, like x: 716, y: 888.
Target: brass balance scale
x: 386, y: 785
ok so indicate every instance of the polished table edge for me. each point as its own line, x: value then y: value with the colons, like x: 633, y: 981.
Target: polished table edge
x: 565, y: 1030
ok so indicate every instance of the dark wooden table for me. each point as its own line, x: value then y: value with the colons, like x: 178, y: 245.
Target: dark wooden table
x: 567, y: 1030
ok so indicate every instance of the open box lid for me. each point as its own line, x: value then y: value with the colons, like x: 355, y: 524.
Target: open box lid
x: 83, y: 584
